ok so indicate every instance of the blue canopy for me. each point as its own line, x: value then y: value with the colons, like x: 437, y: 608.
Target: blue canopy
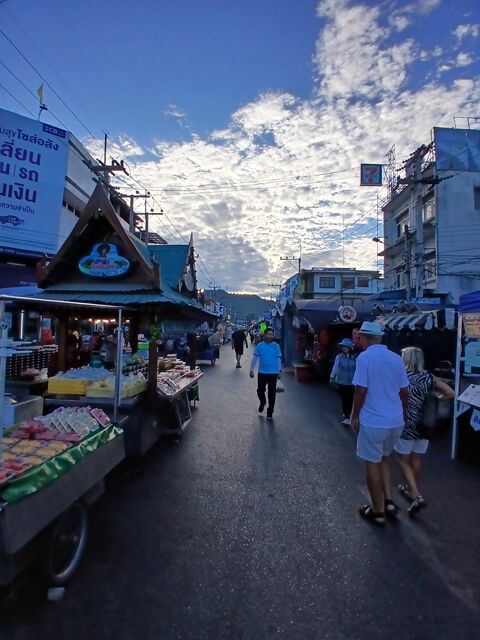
x: 470, y: 302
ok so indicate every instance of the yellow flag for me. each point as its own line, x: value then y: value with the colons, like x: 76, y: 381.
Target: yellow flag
x: 40, y: 92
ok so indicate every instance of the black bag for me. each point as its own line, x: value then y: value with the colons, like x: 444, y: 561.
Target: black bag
x: 430, y: 416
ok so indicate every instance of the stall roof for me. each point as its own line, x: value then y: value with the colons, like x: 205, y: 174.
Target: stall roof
x: 445, y: 318
x: 470, y: 302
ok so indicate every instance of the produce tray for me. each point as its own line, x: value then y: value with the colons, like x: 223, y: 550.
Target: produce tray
x: 68, y: 387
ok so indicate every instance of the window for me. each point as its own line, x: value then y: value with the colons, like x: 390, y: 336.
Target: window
x: 430, y: 269
x: 476, y: 197
x: 348, y: 282
x: 429, y: 210
x: 400, y: 222
x: 363, y: 283
x: 326, y: 282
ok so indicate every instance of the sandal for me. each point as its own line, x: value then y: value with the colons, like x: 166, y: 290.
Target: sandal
x: 369, y: 514
x: 417, y: 504
x: 391, y: 509
x: 405, y: 491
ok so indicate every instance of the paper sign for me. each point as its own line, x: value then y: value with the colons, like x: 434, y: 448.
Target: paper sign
x: 475, y: 420
x: 471, y: 322
x: 471, y: 395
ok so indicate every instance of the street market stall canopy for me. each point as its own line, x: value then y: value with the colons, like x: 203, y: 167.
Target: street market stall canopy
x: 470, y: 302
x: 445, y: 318
x: 319, y: 313
x: 103, y: 262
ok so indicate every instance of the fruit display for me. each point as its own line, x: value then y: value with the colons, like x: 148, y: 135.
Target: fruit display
x: 35, y: 441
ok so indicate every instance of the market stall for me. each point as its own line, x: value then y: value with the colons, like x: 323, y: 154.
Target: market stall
x: 51, y: 469
x: 466, y: 417
x: 104, y: 268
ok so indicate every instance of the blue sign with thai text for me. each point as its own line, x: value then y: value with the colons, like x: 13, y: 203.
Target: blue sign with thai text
x: 33, y: 164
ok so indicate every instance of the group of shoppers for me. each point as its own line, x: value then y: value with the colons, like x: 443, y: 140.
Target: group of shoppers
x: 383, y: 400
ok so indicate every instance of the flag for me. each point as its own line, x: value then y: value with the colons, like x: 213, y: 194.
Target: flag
x: 40, y: 92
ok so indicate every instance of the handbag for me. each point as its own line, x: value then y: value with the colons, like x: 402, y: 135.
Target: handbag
x: 280, y: 388
x: 430, y: 416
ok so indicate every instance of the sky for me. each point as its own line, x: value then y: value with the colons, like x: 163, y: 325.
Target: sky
x: 247, y: 120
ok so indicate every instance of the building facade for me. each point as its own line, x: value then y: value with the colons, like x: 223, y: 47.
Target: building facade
x: 432, y: 221
x: 343, y: 284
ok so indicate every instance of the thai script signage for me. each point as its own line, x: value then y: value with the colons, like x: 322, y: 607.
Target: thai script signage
x: 104, y: 261
x: 33, y: 162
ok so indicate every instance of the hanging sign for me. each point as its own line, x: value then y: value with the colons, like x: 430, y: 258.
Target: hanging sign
x: 471, y: 323
x: 371, y: 175
x: 471, y: 395
x: 104, y: 262
x: 475, y: 420
x: 347, y: 313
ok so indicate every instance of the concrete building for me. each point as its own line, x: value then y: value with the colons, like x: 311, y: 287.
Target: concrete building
x: 287, y: 291
x: 432, y: 220
x: 343, y: 284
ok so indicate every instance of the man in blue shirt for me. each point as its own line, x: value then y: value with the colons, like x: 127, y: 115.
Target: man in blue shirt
x: 268, y: 354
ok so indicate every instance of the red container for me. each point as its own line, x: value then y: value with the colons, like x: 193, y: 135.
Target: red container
x: 303, y: 373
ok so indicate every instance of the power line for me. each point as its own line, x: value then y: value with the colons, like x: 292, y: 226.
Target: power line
x: 17, y: 100
x: 47, y: 83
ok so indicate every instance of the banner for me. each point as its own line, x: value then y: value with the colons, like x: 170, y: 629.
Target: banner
x: 33, y: 164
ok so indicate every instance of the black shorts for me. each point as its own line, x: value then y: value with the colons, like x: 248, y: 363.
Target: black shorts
x: 239, y: 350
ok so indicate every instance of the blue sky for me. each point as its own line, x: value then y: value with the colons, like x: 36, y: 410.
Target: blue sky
x: 248, y: 119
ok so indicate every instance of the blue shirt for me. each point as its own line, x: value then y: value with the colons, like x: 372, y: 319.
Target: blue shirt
x: 269, y: 356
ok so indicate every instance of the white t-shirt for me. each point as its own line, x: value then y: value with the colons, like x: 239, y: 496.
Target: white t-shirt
x: 383, y: 374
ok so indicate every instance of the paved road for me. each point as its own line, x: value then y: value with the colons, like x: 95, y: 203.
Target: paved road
x: 249, y: 530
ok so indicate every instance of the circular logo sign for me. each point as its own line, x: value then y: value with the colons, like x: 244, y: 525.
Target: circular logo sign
x: 347, y: 313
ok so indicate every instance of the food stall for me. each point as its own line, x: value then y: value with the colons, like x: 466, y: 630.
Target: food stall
x: 466, y: 417
x: 52, y: 468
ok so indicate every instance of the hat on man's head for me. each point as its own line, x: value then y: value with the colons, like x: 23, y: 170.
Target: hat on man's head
x: 346, y: 342
x: 371, y: 329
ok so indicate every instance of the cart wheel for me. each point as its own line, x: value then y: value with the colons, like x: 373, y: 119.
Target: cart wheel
x: 66, y: 544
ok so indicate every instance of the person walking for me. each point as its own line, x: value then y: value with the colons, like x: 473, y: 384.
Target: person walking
x: 268, y: 354
x: 342, y: 374
x: 379, y: 402
x: 239, y: 339
x: 413, y: 444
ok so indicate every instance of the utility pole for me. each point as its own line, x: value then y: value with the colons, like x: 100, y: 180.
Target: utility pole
x: 407, y: 261
x: 419, y: 236
x: 133, y: 196
x: 290, y: 258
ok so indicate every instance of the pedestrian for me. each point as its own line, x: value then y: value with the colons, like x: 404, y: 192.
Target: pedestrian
x: 413, y: 444
x: 379, y: 402
x: 238, y: 340
x: 342, y: 374
x: 268, y: 354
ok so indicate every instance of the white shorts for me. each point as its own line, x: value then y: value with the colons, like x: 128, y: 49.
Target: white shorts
x: 406, y: 447
x: 373, y: 444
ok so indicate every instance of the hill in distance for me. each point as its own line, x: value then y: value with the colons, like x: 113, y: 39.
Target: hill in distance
x: 246, y: 306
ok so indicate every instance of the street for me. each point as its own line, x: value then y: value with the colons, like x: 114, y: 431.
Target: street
x: 250, y: 530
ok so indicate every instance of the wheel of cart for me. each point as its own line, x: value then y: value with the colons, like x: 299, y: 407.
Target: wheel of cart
x: 66, y: 540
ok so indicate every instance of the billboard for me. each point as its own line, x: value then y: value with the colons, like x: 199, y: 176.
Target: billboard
x: 33, y: 162
x: 457, y: 149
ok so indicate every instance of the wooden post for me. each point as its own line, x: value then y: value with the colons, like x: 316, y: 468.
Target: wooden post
x: 133, y: 331
x: 152, y: 361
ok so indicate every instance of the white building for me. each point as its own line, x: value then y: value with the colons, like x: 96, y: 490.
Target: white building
x: 344, y: 284
x: 432, y: 220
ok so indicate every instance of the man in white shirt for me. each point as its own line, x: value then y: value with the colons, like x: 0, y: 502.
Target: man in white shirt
x: 380, y: 399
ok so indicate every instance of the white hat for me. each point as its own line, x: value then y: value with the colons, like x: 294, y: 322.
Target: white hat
x: 371, y: 329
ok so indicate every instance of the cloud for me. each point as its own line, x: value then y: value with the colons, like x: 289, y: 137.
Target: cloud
x: 399, y: 22
x: 284, y: 171
x: 178, y: 114
x: 464, y: 30
x: 463, y: 59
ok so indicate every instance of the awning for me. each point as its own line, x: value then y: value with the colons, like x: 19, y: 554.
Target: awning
x: 426, y: 320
